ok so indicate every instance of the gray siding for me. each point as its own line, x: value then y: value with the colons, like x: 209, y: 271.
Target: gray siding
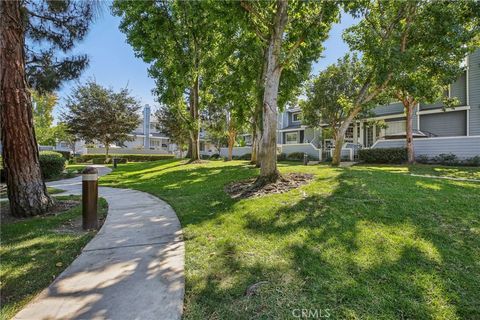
x: 458, y: 89
x: 393, y: 108
x: 463, y: 147
x: 474, y: 89
x: 445, y: 124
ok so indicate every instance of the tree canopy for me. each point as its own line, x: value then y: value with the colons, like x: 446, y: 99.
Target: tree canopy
x: 95, y: 113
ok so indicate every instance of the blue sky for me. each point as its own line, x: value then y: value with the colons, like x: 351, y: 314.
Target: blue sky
x: 113, y: 63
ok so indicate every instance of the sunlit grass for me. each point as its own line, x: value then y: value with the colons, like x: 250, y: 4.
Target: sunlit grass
x: 365, y: 242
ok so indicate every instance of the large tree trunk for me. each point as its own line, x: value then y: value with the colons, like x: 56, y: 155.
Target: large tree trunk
x: 194, y: 113
x: 268, y: 151
x: 257, y: 115
x: 27, y: 192
x: 409, y: 104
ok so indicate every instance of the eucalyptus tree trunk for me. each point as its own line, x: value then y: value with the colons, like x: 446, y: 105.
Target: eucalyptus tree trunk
x: 268, y: 169
x: 408, y: 104
x: 194, y: 114
x: 27, y: 192
x: 257, y: 116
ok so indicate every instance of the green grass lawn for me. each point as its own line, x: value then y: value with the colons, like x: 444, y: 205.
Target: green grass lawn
x: 34, y: 252
x: 438, y: 171
x: 363, y: 242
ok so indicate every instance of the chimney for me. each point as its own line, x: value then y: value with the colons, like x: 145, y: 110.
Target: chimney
x: 146, y: 126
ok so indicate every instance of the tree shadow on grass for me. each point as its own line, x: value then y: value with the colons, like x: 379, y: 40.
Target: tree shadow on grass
x: 378, y: 246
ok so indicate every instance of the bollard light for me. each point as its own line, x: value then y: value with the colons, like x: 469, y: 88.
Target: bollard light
x: 89, y: 198
x: 305, y: 159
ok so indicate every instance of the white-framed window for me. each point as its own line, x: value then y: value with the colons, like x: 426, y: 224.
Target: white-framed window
x: 296, y: 117
x: 291, y: 137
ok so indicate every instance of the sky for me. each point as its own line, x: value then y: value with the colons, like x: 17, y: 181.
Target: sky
x: 113, y: 62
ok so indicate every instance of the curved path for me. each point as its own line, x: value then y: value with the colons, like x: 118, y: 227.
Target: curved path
x: 132, y: 269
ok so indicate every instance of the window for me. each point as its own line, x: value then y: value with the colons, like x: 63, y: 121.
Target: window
x: 154, y: 143
x: 291, y: 137
x: 349, y: 134
x: 395, y: 127
x: 296, y: 117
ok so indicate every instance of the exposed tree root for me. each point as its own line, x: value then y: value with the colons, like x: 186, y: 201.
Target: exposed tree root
x: 264, y: 186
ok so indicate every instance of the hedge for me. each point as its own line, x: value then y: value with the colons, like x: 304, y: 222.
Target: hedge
x: 296, y: 156
x: 383, y: 155
x: 128, y: 157
x: 52, y: 164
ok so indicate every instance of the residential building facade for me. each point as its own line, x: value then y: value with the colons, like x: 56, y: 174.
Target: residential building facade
x: 436, y: 130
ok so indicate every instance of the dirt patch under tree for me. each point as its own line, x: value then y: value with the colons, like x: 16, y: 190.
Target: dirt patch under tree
x: 248, y: 189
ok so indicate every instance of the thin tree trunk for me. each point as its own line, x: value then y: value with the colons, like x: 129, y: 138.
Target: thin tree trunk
x: 268, y: 169
x: 253, y: 159
x: 408, y: 104
x: 27, y: 192
x: 337, y: 154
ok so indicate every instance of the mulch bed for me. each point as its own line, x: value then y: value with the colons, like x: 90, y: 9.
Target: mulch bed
x: 59, y: 207
x: 247, y: 189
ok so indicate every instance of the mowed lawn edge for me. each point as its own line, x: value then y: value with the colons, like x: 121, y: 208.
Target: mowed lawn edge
x: 362, y: 242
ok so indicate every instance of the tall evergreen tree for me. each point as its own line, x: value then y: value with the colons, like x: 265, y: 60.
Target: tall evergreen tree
x: 51, y: 27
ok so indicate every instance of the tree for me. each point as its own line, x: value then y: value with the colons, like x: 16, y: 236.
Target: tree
x: 63, y: 133
x: 43, y: 105
x: 52, y: 26
x: 397, y: 37
x: 181, y: 41
x: 442, y: 34
x: 292, y: 33
x: 171, y: 123
x: 99, y: 114
x: 332, y: 94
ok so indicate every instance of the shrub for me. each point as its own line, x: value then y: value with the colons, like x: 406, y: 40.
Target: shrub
x: 423, y: 159
x: 281, y: 157
x: 448, y: 159
x: 246, y: 156
x: 383, y: 155
x: 65, y: 154
x: 214, y: 156
x: 474, y: 161
x: 99, y: 160
x: 295, y: 156
x: 120, y: 160
x: 129, y: 157
x: 52, y: 164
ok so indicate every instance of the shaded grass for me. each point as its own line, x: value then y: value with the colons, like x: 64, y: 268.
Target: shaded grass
x: 363, y: 242
x: 31, y: 250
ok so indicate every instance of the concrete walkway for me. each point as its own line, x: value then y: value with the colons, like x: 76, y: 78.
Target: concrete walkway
x: 132, y: 269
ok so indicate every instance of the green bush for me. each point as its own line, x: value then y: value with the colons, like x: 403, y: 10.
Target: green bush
x: 474, y: 161
x: 448, y: 159
x: 383, y: 155
x: 120, y: 160
x: 281, y: 157
x: 214, y: 156
x: 129, y: 157
x: 246, y: 156
x: 65, y: 154
x: 52, y: 164
x: 99, y: 160
x: 295, y: 156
